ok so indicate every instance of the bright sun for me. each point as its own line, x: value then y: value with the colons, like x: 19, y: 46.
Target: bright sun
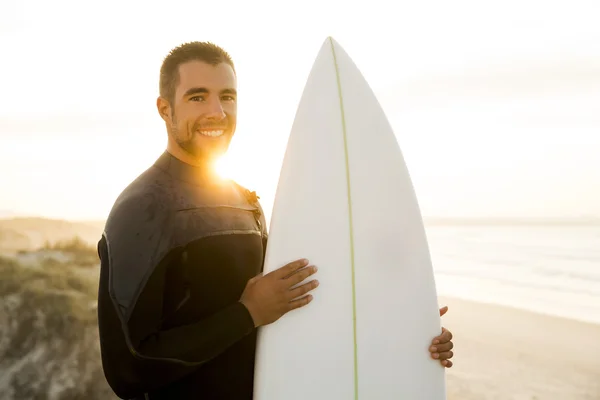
x: 224, y: 167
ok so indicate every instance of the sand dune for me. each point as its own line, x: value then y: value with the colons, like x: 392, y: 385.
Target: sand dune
x: 30, y: 233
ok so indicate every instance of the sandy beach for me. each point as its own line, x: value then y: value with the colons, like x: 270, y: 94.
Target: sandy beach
x: 503, y: 353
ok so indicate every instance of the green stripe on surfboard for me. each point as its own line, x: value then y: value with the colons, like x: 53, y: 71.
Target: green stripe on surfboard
x: 343, y: 115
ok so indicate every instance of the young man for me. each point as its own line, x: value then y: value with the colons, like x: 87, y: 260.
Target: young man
x: 181, y: 292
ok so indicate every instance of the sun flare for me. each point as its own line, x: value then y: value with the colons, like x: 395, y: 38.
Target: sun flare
x: 224, y: 167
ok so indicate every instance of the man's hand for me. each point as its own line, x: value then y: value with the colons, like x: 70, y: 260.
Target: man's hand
x: 269, y: 297
x: 442, y: 345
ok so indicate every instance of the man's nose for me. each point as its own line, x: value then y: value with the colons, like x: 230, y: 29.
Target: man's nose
x: 215, y: 110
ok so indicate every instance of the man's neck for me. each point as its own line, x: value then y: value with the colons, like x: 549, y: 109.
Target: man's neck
x: 187, y: 158
x: 188, y: 168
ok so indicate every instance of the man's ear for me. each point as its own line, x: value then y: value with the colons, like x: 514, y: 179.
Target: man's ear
x: 164, y: 109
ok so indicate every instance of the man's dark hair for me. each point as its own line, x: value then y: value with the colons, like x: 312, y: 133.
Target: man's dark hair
x: 192, y: 51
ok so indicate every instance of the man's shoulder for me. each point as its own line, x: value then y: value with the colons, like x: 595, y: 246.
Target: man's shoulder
x: 250, y: 195
x: 254, y: 200
x: 147, y: 191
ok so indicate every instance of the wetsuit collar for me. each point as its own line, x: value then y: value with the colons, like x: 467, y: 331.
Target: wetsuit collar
x: 184, y: 171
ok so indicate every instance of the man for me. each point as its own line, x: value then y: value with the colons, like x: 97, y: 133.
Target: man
x: 181, y: 292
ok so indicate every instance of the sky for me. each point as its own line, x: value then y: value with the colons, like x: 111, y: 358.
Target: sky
x: 496, y: 105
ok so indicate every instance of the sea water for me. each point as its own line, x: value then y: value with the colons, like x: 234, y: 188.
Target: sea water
x: 548, y: 269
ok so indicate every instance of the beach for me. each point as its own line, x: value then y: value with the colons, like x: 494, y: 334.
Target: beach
x: 524, y: 308
x: 504, y: 353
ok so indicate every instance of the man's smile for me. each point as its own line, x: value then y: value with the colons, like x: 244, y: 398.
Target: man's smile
x: 211, y: 132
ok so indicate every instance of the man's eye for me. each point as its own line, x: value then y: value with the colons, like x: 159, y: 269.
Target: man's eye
x: 228, y: 98
x: 197, y: 98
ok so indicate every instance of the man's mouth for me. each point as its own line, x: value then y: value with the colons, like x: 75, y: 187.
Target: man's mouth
x: 211, y: 132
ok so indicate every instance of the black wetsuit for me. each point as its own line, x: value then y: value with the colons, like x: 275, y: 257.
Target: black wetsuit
x: 176, y: 254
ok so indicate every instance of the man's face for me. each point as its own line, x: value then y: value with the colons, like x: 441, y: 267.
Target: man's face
x: 204, y: 108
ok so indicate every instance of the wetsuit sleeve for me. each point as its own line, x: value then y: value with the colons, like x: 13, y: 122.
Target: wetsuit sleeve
x: 194, y: 343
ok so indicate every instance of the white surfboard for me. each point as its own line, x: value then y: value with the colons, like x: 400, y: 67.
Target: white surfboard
x: 346, y: 202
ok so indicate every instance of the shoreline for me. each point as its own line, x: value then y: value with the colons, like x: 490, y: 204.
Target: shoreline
x: 502, y: 352
x: 536, y: 311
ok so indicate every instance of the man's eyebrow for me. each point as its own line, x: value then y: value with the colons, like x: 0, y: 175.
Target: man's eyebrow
x: 195, y: 90
x: 202, y: 90
x: 229, y: 91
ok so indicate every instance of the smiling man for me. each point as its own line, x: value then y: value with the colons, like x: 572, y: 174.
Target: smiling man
x: 181, y: 291
x: 199, y: 107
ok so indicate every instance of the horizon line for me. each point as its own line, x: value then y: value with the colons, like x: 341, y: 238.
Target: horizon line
x: 428, y: 220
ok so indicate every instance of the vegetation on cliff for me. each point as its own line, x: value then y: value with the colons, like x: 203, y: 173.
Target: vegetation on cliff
x: 49, y: 345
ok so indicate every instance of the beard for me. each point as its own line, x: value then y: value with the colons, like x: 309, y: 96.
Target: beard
x: 191, y: 142
x: 189, y: 146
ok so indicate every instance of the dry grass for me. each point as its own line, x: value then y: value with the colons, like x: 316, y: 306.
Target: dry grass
x: 48, y: 329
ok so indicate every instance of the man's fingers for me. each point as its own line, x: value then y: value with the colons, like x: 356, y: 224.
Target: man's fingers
x: 441, y: 347
x: 290, y: 268
x: 445, y: 355
x: 301, y: 302
x: 303, y: 289
x: 300, y: 275
x: 445, y: 337
x: 443, y: 310
x: 447, y: 363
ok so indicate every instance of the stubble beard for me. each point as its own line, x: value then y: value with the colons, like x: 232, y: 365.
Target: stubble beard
x: 186, y: 143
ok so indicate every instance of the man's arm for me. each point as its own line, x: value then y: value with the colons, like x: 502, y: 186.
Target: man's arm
x: 164, y: 355
x: 160, y: 356
x: 192, y: 344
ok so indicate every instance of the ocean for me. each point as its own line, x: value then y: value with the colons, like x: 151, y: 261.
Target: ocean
x: 552, y: 270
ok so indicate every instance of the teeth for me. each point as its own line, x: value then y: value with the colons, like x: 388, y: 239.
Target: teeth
x: 212, y: 133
